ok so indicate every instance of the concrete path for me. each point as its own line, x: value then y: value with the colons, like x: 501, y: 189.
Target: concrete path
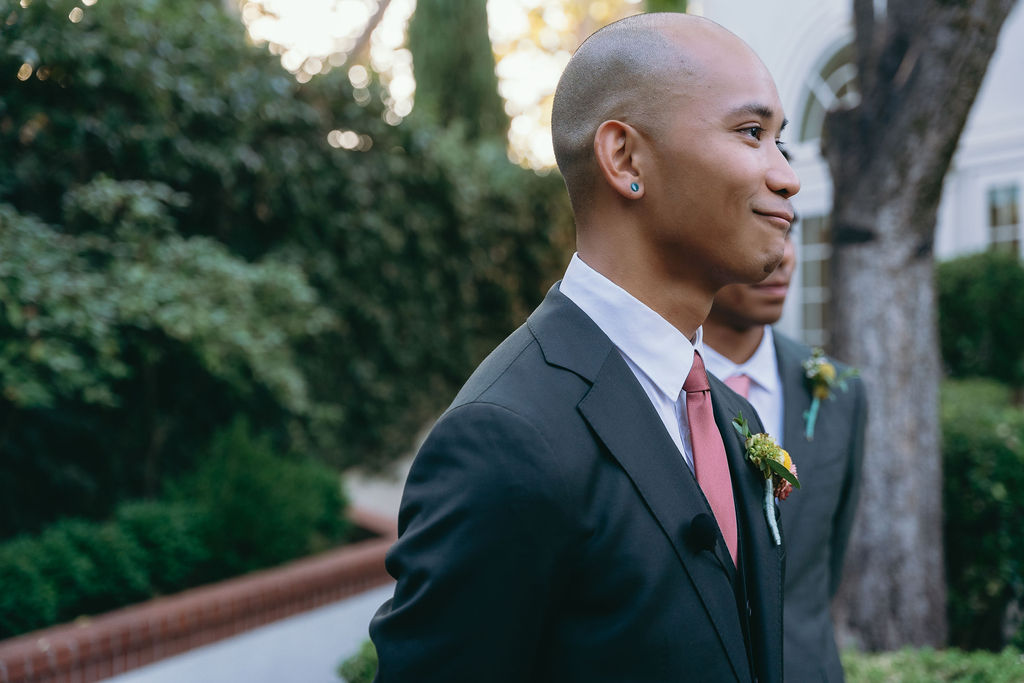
x: 380, y: 492
x: 307, y: 647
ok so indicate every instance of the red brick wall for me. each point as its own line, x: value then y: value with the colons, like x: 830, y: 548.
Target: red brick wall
x: 95, y: 648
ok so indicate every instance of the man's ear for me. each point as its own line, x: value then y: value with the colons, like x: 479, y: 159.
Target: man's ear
x: 615, y: 147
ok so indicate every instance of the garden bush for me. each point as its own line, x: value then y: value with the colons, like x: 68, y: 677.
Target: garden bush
x: 108, y: 340
x: 983, y: 461
x: 29, y: 599
x: 261, y: 508
x: 245, y: 509
x: 981, y: 316
x: 175, y: 550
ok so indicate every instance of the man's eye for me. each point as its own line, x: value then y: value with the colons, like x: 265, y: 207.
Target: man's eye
x: 753, y: 131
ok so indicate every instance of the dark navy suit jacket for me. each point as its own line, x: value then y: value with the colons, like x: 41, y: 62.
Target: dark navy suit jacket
x: 545, y: 532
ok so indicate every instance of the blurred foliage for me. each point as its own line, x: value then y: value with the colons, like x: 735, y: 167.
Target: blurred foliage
x: 983, y: 460
x: 183, y: 245
x: 981, y: 316
x: 455, y: 79
x: 665, y: 5
x: 123, y: 351
x: 245, y: 509
x: 934, y: 666
x: 360, y: 667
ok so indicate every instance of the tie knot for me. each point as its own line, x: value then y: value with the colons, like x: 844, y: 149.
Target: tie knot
x: 740, y: 384
x: 697, y: 380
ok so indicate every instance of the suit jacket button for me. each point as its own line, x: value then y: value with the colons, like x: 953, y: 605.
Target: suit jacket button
x: 750, y: 612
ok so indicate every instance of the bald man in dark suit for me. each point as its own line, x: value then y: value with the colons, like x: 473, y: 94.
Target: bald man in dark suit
x: 584, y: 510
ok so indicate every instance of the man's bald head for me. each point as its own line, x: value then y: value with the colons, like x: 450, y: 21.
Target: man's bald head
x: 627, y: 71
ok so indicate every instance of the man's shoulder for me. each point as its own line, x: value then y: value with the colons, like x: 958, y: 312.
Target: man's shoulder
x: 517, y: 375
x: 517, y: 355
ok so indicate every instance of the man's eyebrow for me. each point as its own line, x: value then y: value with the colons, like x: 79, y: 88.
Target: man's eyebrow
x: 761, y: 110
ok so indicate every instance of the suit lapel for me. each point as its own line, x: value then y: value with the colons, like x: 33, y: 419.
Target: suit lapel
x: 621, y: 415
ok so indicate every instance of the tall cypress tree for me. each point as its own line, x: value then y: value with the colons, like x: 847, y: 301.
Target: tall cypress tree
x: 454, y: 67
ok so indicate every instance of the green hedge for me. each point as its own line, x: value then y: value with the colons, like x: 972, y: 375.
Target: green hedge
x: 934, y: 666
x: 244, y: 509
x: 983, y: 461
x: 981, y: 316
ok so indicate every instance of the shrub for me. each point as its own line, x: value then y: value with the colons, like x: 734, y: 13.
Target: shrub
x: 981, y: 316
x: 28, y: 599
x: 934, y: 666
x: 107, y: 342
x: 245, y: 509
x: 360, y: 667
x: 262, y: 509
x: 92, y: 566
x: 983, y: 460
x: 170, y: 535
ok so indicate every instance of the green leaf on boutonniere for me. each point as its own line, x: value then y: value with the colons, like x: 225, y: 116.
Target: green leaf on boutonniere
x: 779, y: 470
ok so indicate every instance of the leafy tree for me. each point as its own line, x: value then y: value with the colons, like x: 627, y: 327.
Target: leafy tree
x: 197, y: 242
x: 122, y: 351
x: 455, y: 79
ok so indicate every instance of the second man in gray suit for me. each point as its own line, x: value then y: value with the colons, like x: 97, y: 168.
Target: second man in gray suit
x: 766, y: 367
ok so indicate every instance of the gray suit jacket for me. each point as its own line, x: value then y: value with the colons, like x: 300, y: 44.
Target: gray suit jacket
x: 546, y: 532
x: 816, y: 519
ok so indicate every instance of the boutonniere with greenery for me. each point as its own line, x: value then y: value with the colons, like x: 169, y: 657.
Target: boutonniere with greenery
x: 775, y: 464
x: 823, y: 379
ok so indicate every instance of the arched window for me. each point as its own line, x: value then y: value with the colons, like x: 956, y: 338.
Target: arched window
x: 832, y: 85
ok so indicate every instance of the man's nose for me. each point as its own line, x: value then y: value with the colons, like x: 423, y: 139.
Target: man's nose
x: 782, y: 179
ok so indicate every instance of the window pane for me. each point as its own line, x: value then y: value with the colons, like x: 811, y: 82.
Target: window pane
x: 1003, y: 205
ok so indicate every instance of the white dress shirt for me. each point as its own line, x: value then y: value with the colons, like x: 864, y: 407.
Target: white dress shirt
x: 765, y: 383
x: 658, y: 354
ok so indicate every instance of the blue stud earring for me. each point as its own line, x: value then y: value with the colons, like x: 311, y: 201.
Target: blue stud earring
x: 635, y: 187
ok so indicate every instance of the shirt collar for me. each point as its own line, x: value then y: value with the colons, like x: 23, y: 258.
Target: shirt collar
x: 760, y: 367
x: 653, y: 344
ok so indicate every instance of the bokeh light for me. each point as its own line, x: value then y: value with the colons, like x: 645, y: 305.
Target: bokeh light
x: 532, y: 39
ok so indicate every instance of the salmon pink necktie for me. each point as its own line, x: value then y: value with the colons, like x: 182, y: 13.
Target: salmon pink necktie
x: 710, y: 464
x: 740, y: 384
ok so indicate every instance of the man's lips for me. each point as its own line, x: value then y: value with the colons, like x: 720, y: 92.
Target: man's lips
x: 779, y: 289
x: 781, y: 217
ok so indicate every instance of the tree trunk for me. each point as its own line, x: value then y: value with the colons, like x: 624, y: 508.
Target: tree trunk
x: 920, y: 67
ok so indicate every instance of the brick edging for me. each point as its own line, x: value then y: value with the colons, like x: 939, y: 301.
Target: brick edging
x: 91, y: 649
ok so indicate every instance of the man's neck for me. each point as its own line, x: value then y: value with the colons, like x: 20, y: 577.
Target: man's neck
x: 685, y: 305
x: 738, y: 345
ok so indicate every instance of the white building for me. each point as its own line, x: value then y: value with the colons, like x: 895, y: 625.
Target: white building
x: 806, y: 44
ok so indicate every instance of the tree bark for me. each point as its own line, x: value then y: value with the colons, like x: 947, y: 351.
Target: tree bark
x: 920, y: 68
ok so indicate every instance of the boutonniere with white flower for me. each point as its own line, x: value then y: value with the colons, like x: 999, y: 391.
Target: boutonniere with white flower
x: 823, y: 379
x: 775, y: 464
